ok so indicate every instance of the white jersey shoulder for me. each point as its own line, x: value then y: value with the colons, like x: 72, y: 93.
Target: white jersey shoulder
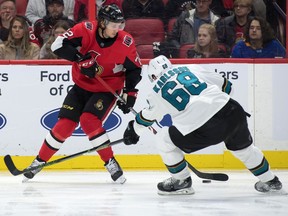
x: 190, y: 94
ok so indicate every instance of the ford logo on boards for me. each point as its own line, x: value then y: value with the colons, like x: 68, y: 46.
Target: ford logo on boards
x: 3, y: 121
x: 49, y: 119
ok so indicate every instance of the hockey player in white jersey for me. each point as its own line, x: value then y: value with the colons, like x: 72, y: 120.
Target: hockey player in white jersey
x: 203, y: 114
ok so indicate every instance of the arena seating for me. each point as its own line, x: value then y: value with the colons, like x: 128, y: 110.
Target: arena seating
x: 21, y: 7
x: 145, y: 51
x: 145, y: 30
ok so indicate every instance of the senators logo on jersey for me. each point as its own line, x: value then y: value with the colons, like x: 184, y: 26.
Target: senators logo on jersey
x: 99, y: 105
x: 95, y: 55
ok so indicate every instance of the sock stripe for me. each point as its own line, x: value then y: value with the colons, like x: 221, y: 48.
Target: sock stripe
x: 52, y: 142
x: 177, y: 167
x: 50, y: 147
x: 262, y: 168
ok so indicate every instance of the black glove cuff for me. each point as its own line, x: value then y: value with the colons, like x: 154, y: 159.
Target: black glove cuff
x: 80, y: 57
x: 125, y: 90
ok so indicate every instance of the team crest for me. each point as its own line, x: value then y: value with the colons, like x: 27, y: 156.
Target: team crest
x: 95, y: 55
x: 99, y: 105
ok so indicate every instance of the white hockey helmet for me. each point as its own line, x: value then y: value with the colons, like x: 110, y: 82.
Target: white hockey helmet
x: 157, y: 66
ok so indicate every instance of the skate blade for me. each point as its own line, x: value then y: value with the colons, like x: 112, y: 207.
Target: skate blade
x: 25, y: 179
x: 121, y: 180
x: 186, y: 191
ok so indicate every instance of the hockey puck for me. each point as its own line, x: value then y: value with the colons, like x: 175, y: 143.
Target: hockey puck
x: 206, y: 181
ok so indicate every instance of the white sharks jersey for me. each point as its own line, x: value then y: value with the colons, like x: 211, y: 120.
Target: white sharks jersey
x: 190, y: 94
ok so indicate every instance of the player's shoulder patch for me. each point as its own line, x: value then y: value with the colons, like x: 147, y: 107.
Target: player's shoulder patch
x: 127, y: 40
x: 88, y: 25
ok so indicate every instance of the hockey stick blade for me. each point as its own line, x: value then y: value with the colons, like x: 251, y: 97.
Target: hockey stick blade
x: 212, y: 176
x: 14, y: 171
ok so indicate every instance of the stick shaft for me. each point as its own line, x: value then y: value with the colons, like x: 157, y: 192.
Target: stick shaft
x: 14, y: 171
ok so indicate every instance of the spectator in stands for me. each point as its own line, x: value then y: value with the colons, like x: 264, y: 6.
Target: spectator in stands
x: 186, y: 27
x: 81, y: 8
x: 174, y: 8
x: 7, y: 13
x: 18, y: 45
x: 259, y: 42
x: 59, y: 28
x: 259, y: 8
x: 37, y: 9
x: 206, y: 45
x: 43, y: 27
x: 231, y: 29
x: 143, y: 8
x: 224, y: 8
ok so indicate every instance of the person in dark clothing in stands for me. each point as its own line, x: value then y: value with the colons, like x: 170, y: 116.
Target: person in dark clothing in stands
x: 7, y: 13
x: 143, y: 8
x: 43, y: 27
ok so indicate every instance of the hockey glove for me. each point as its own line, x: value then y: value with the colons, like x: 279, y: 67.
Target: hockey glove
x: 130, y: 136
x: 88, y: 65
x: 130, y: 98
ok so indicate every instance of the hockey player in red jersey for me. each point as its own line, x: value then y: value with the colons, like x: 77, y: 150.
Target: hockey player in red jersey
x: 99, y: 48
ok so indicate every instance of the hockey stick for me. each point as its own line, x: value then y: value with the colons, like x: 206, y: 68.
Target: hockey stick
x: 212, y: 176
x: 14, y: 171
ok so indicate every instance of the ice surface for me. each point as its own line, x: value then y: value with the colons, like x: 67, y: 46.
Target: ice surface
x: 93, y: 193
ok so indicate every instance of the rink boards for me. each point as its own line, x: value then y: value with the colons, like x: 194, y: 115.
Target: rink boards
x: 31, y: 95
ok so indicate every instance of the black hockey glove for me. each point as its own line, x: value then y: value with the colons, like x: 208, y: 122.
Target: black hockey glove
x: 88, y: 65
x: 130, y: 98
x: 130, y: 136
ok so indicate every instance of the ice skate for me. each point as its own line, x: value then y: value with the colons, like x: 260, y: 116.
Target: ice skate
x: 172, y: 186
x: 31, y: 174
x: 270, y: 186
x: 115, y: 171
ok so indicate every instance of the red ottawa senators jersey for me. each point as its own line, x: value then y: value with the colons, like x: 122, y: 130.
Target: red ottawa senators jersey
x: 116, y: 61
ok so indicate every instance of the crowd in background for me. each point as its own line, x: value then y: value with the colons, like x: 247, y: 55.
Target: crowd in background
x: 211, y: 28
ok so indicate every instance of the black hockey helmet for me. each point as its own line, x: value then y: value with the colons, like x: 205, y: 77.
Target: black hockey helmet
x: 111, y: 13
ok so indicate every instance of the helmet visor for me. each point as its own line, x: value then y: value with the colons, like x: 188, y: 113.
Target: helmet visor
x: 115, y: 26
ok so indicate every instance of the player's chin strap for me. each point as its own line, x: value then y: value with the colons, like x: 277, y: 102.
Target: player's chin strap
x: 212, y: 176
